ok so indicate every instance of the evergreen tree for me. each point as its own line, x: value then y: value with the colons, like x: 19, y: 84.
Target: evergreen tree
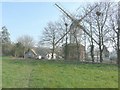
x: 5, y: 40
x: 18, y: 50
x: 5, y: 35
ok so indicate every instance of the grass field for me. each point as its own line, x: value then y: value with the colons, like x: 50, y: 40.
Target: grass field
x: 60, y: 74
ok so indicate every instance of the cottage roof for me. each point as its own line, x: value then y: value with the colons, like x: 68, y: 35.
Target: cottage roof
x: 34, y: 51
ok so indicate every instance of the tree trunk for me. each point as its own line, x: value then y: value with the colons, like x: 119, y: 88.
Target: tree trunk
x: 92, y: 52
x: 100, y: 39
x: 66, y: 46
x: 100, y: 50
x: 53, y: 52
x: 66, y: 51
x: 101, y: 58
x: 24, y: 54
x: 118, y: 46
x: 92, y: 46
x: 53, y: 49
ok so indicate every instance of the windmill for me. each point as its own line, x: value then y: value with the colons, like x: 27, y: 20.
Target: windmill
x: 74, y: 27
x: 75, y: 24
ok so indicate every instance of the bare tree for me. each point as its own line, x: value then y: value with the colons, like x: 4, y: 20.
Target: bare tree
x: 114, y: 25
x: 98, y: 25
x: 51, y: 34
x: 88, y: 20
x: 27, y: 41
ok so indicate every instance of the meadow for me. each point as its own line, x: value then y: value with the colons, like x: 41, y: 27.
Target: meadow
x: 20, y: 73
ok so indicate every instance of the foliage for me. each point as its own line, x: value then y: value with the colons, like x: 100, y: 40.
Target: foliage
x: 5, y: 35
x: 6, y: 43
x: 27, y: 41
x: 7, y: 49
x: 18, y: 50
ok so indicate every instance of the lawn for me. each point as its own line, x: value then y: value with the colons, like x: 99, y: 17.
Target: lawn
x: 18, y: 73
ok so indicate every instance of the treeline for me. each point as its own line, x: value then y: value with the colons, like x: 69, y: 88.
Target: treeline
x: 17, y: 49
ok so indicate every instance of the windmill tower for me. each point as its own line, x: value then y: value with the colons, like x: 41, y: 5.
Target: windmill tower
x: 74, y: 31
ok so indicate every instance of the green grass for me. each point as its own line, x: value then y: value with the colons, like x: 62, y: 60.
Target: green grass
x: 60, y: 74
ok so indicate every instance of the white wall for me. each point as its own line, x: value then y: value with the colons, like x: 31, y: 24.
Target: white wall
x: 49, y: 56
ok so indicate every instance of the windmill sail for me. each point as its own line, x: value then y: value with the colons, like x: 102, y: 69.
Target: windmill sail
x: 87, y: 13
x: 74, y: 25
x: 71, y: 17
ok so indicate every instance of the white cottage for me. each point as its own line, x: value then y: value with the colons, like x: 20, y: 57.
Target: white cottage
x: 49, y: 56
